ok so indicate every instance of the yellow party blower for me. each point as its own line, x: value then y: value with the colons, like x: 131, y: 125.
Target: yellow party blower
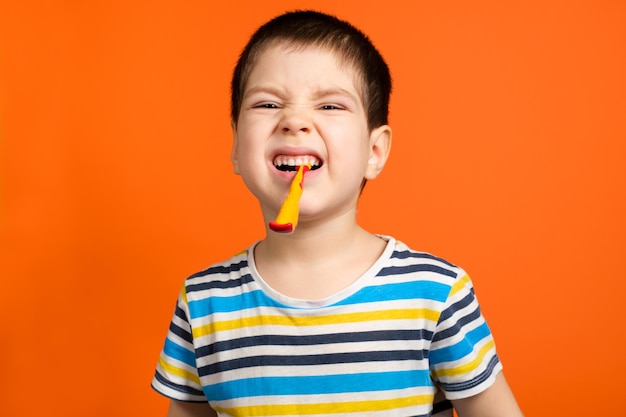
x: 287, y: 218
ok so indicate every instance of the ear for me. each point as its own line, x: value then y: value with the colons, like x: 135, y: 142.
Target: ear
x: 380, y: 145
x: 234, y: 152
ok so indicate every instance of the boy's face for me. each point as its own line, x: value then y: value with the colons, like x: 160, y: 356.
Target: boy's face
x: 299, y: 106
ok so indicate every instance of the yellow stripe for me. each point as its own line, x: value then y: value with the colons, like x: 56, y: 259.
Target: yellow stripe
x: 400, y: 314
x: 460, y: 284
x: 183, y: 373
x: 468, y: 367
x: 327, y: 408
x: 183, y: 292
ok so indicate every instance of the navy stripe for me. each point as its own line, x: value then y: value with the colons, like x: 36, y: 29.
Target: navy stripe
x: 180, y: 332
x: 420, y: 255
x: 479, y: 379
x: 221, y: 269
x: 408, y: 269
x: 176, y: 387
x: 231, y: 283
x: 180, y: 313
x: 320, y: 339
x: 459, y: 305
x: 308, y: 360
x: 456, y: 328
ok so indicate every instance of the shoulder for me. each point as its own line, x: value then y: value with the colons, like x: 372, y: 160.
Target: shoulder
x: 419, y: 275
x: 219, y: 277
x: 452, y: 282
x: 406, y: 259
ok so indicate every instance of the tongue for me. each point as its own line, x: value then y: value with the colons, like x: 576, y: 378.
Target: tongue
x: 287, y: 218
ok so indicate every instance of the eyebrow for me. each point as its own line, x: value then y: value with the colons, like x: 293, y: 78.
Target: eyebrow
x: 335, y: 92
x: 318, y: 94
x: 255, y: 90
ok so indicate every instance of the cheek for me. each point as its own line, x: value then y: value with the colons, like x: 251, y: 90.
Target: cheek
x: 255, y: 133
x: 347, y: 141
x: 249, y: 138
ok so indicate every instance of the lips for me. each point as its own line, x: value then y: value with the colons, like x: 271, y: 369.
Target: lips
x: 292, y: 162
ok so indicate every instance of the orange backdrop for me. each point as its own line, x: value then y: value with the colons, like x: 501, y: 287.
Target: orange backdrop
x: 115, y: 183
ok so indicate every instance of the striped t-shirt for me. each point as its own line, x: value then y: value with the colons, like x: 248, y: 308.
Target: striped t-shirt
x: 381, y: 347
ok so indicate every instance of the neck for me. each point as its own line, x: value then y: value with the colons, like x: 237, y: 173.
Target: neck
x: 313, y: 241
x: 317, y: 260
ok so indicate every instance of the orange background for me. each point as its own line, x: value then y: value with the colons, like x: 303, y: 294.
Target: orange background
x: 115, y: 183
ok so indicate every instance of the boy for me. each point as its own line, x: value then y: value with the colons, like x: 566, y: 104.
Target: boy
x: 330, y: 319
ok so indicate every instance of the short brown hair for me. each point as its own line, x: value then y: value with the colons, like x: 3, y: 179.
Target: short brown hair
x: 311, y: 28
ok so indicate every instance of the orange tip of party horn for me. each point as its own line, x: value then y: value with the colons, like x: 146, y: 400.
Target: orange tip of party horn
x: 287, y: 218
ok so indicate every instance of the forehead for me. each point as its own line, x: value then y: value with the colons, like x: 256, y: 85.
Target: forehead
x: 288, y: 61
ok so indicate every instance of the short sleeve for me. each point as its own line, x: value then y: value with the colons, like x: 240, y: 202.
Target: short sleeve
x: 463, y: 356
x: 176, y: 373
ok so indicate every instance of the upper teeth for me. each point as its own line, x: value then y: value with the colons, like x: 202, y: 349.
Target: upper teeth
x: 296, y: 160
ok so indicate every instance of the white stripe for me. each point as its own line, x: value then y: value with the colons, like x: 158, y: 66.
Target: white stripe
x: 329, y: 398
x: 315, y: 370
x: 322, y: 349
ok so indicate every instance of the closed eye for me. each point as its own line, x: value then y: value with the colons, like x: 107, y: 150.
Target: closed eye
x: 332, y: 107
x: 265, y: 106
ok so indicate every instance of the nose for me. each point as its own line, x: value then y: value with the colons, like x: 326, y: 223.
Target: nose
x: 295, y: 121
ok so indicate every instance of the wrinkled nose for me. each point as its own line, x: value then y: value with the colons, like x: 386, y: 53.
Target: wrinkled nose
x: 294, y: 122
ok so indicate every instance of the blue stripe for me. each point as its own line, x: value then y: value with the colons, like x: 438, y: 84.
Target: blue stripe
x: 462, y: 348
x: 414, y: 290
x: 313, y: 385
x: 428, y: 290
x: 218, y: 304
x: 179, y: 353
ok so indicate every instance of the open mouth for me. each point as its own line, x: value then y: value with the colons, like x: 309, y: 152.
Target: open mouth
x: 287, y: 163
